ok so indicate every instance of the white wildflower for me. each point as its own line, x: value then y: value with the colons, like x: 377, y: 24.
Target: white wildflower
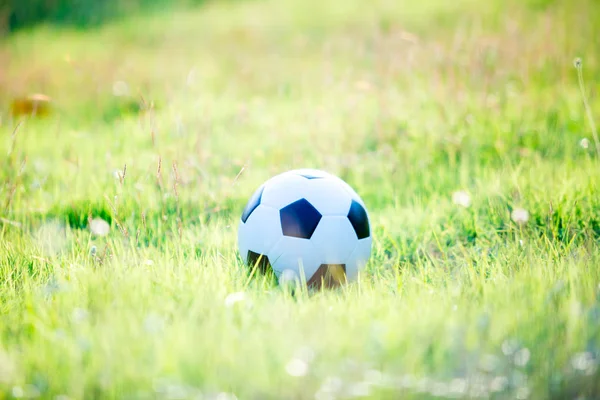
x: 99, y: 227
x: 461, y: 198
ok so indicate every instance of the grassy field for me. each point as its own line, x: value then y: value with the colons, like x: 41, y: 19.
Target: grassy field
x: 461, y: 124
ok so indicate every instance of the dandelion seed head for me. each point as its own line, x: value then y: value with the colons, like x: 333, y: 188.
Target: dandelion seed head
x: 519, y: 215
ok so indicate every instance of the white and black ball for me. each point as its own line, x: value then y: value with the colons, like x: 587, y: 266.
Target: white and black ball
x: 306, y: 224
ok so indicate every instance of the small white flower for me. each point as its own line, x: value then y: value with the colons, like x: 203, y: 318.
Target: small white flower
x: 297, y: 367
x: 584, y: 143
x: 233, y: 298
x: 461, y: 198
x: 99, y: 227
x: 519, y: 215
x: 149, y: 262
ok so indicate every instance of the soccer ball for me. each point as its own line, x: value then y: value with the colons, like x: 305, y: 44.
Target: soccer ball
x: 308, y: 225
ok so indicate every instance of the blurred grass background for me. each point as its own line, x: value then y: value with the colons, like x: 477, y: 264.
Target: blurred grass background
x: 164, y: 124
x: 18, y: 14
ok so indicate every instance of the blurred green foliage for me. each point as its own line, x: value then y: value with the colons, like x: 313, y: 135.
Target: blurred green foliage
x: 16, y: 14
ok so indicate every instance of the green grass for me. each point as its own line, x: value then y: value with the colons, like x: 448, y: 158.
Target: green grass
x: 408, y: 102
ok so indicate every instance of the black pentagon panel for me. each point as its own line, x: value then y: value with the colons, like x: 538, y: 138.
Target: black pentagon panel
x: 328, y: 276
x: 308, y: 176
x: 299, y: 219
x: 359, y: 220
x: 261, y: 261
x: 252, y: 203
